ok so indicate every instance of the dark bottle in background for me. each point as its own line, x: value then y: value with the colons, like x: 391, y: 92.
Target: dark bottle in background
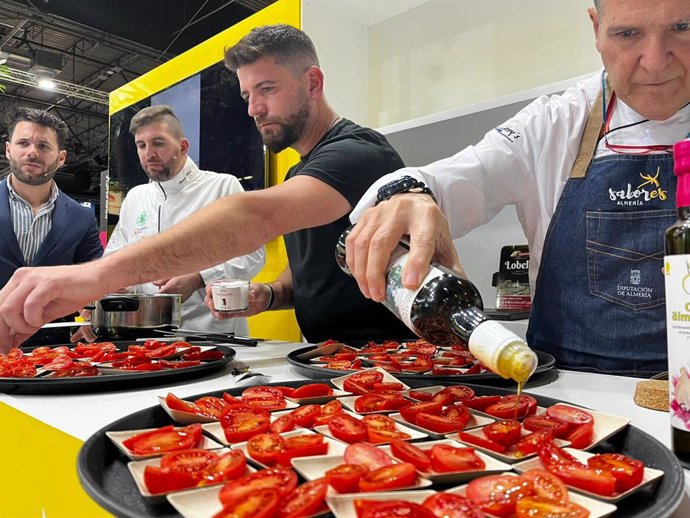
x: 677, y: 283
x: 447, y: 310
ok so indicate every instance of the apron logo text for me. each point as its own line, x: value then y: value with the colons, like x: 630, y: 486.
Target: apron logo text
x: 640, y: 194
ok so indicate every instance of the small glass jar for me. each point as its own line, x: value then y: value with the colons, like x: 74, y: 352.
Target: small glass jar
x: 230, y: 295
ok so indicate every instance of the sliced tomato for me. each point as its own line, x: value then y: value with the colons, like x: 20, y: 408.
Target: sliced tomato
x: 449, y: 505
x: 446, y: 458
x: 529, y: 444
x: 193, y: 460
x: 569, y: 415
x: 457, y: 412
x: 379, y: 422
x: 459, y: 392
x: 262, y: 392
x: 388, y: 385
x: 589, y: 479
x: 364, y: 379
x: 536, y: 507
x: 481, y: 442
x: 369, y: 403
x: 389, y: 477
x: 304, y: 415
x: 480, y: 402
x: 328, y: 411
x: 506, y: 432
x: 281, y: 480
x: 267, y: 403
x: 210, y: 406
x: 420, y: 395
x: 228, y: 466
x: 340, y: 365
x: 265, y: 447
x: 306, y: 445
x: 396, y: 508
x: 231, y: 400
x: 509, y: 409
x: 366, y: 455
x: 375, y: 436
x: 547, y: 485
x: 498, y: 494
x: 286, y: 391
x: 305, y: 500
x: 581, y: 436
x: 259, y: 503
x: 312, y: 390
x: 552, y: 456
x: 410, y: 412
x: 408, y: 452
x: 164, y: 439
x: 241, y: 427
x: 628, y: 472
x: 284, y: 423
x: 347, y: 429
x: 161, y: 480
x: 345, y: 478
x: 438, y: 423
x: 544, y: 422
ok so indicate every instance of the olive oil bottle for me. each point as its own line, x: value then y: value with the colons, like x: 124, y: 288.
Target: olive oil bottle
x: 447, y: 310
x: 677, y: 283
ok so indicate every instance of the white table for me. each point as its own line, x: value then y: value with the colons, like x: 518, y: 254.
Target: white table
x: 82, y: 415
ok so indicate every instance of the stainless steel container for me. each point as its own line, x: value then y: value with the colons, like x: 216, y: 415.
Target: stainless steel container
x: 135, y: 315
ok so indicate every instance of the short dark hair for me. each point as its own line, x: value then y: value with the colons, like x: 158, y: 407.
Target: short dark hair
x: 40, y: 117
x: 289, y: 46
x: 158, y: 113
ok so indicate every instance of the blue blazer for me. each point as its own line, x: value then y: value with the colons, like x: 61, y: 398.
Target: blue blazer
x: 73, y: 237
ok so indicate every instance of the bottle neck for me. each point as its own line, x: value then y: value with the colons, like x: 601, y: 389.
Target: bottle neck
x: 683, y: 192
x: 465, y: 320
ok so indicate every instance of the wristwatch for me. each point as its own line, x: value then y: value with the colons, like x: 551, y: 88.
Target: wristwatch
x: 402, y: 185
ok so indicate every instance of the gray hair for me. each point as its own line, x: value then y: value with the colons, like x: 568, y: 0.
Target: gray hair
x: 597, y: 6
x: 160, y: 113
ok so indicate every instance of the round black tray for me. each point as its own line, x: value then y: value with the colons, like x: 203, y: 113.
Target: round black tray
x: 103, y: 470
x: 317, y: 371
x: 126, y: 380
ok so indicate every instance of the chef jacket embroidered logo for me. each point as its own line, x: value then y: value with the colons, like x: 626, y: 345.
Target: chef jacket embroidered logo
x: 508, y: 133
x: 143, y: 218
x: 648, y: 190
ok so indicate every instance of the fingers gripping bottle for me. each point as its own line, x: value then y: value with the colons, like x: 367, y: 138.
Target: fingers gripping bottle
x: 447, y: 310
x: 677, y: 284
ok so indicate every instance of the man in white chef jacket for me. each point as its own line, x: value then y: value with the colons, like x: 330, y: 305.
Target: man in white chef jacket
x: 590, y: 173
x: 178, y: 188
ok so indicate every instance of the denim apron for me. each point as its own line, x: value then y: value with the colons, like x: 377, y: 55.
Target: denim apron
x: 599, y: 299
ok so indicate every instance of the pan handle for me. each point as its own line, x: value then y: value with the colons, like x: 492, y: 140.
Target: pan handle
x: 119, y: 304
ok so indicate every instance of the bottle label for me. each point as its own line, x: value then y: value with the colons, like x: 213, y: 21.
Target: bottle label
x: 677, y: 278
x: 399, y: 299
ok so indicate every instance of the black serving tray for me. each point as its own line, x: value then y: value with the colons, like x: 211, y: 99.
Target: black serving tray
x: 318, y: 371
x: 103, y: 473
x: 114, y: 380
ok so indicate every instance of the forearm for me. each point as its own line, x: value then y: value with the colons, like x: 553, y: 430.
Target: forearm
x: 282, y: 290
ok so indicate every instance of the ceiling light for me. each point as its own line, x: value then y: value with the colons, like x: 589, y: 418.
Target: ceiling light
x: 46, y: 83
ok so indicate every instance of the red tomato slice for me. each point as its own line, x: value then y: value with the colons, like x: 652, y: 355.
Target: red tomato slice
x: 388, y: 385
x: 449, y: 505
x: 265, y: 447
x: 408, y: 452
x: 188, y: 461
x: 305, y: 500
x: 364, y: 379
x: 628, y: 472
x: 459, y: 392
x: 366, y: 455
x: 506, y: 432
x: 547, y: 485
x: 498, y: 494
x: 164, y: 439
x: 389, y: 477
x: 509, y: 409
x: 569, y: 415
x: 535, y: 507
x: 241, y: 427
x: 409, y: 412
x: 268, y: 404
x: 304, y: 415
x: 259, y: 503
x: 286, y: 391
x: 210, y: 406
x: 396, y: 508
x: 307, y: 445
x: 379, y: 422
x: 347, y: 429
x: 480, y: 402
x: 581, y: 436
x: 552, y: 456
x: 284, y: 423
x: 438, y: 423
x: 446, y: 458
x: 312, y: 390
x: 161, y: 480
x: 369, y: 403
x: 375, y: 436
x: 228, y: 466
x: 481, y: 442
x: 544, y: 422
x: 420, y: 395
x: 328, y: 411
x: 262, y: 392
x: 530, y: 443
x: 340, y: 365
x: 593, y: 480
x: 345, y: 478
x: 281, y: 480
x: 457, y: 412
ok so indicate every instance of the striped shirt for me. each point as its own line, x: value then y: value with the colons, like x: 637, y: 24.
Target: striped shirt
x: 31, y: 229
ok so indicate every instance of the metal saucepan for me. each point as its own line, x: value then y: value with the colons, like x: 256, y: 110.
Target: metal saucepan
x: 135, y: 315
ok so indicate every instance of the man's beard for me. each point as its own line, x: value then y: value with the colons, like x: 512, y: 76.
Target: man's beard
x: 162, y: 175
x: 289, y: 130
x: 34, y: 179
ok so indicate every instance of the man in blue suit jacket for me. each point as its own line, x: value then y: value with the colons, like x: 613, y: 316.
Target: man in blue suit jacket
x: 39, y: 224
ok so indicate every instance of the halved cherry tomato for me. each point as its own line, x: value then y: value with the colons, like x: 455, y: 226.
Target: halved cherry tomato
x: 367, y: 455
x: 347, y: 429
x: 369, y: 403
x: 345, y: 478
x: 569, y: 415
x: 437, y: 423
x: 364, y: 379
x: 261, y: 392
x: 480, y: 402
x: 328, y: 411
x: 408, y: 452
x: 305, y: 500
x: 340, y: 365
x: 389, y: 477
x: 449, y: 505
x: 259, y: 503
x: 457, y: 412
x: 379, y: 422
x: 498, y: 494
x: 375, y: 436
x: 228, y: 466
x: 506, y: 432
x: 535, y: 507
x: 284, y: 423
x: 388, y: 385
x: 265, y: 447
x: 481, y: 442
x: 267, y: 403
x: 508, y: 409
x: 396, y: 508
x: 547, y: 485
x: 544, y: 422
x: 241, y: 427
x: 161, y: 480
x: 446, y: 458
x: 306, y: 445
x: 210, y: 406
x: 459, y: 392
x: 281, y: 480
x: 304, y: 415
x: 286, y: 391
x: 188, y: 461
x: 552, y: 456
x: 164, y: 439
x: 420, y: 395
x: 312, y: 390
x: 529, y: 444
x: 588, y: 479
x: 581, y: 436
x: 628, y: 471
x: 410, y: 412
